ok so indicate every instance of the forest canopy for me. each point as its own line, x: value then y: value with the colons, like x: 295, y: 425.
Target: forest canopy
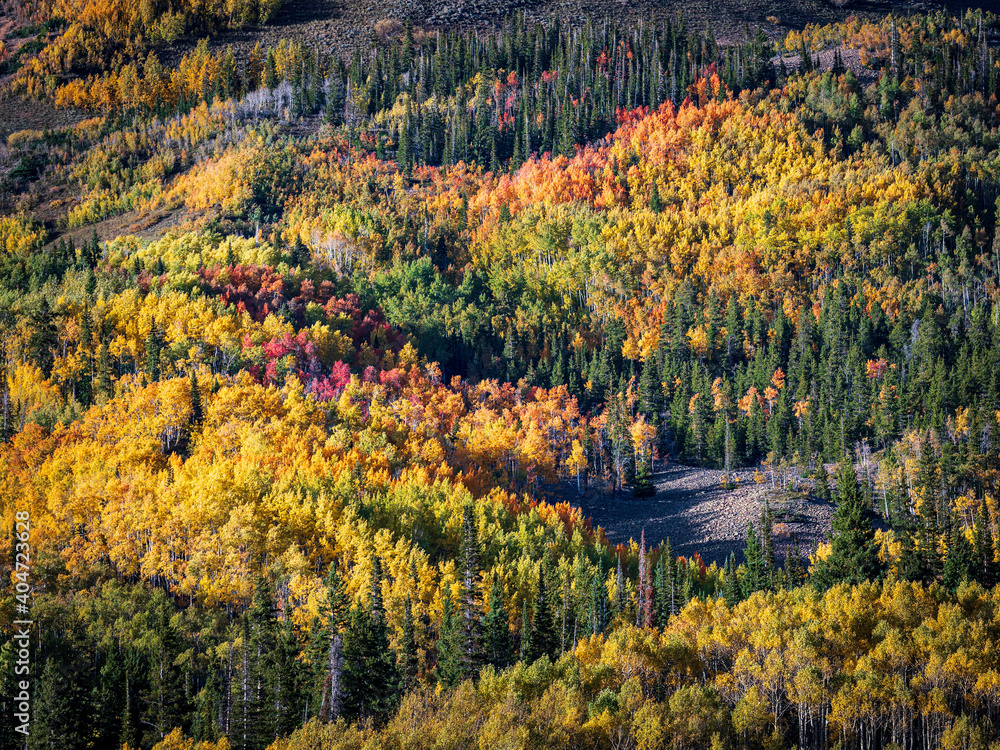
x: 306, y: 356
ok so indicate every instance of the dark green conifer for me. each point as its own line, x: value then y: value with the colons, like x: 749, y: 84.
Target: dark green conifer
x: 959, y: 560
x: 408, y: 662
x: 986, y: 566
x: 370, y: 678
x: 496, y: 626
x: 854, y: 554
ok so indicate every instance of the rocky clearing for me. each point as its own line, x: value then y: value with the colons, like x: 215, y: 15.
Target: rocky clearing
x: 698, y: 515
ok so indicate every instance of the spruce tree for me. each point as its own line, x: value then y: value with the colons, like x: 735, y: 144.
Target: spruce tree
x: 822, y: 490
x: 655, y: 204
x: 470, y: 606
x: 769, y: 564
x: 404, y: 154
x: 985, y: 554
x: 449, y: 648
x: 153, y: 345
x: 543, y: 627
x: 408, y: 663
x: 59, y: 707
x: 854, y: 555
x: 661, y: 592
x: 959, y: 560
x: 795, y: 572
x: 197, y: 413
x: 256, y: 719
x: 285, y: 682
x: 754, y: 578
x: 371, y: 678
x: 527, y: 646
x: 497, y: 642
x: 325, y: 653
x: 731, y: 591
x: 642, y: 481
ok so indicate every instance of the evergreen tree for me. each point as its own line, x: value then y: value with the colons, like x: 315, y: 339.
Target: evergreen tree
x: 854, y: 554
x: 153, y: 346
x: 598, y: 601
x: 769, y: 564
x: 404, y: 154
x: 795, y: 572
x: 300, y: 253
x: 527, y: 641
x: 959, y: 561
x: 642, y: 482
x: 408, y: 663
x: 655, y: 204
x: 449, y: 647
x: 285, y: 682
x: 370, y: 677
x: 496, y: 626
x: 985, y: 554
x: 59, y: 707
x: 163, y: 699
x: 822, y: 490
x: 326, y: 655
x: 270, y: 71
x: 470, y: 609
x: 731, y: 591
x: 544, y: 641
x: 43, y: 338
x: 255, y: 715
x: 197, y: 413
x: 754, y: 578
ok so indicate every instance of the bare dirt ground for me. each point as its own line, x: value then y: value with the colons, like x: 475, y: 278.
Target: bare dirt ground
x: 698, y: 515
x: 339, y: 25
x: 20, y: 114
x: 851, y: 58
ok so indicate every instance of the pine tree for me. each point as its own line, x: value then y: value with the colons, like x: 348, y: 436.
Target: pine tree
x: 527, y: 641
x: 795, y: 572
x: 655, y: 204
x: 408, y: 663
x: 645, y: 611
x: 371, y: 678
x: 326, y: 650
x: 642, y: 481
x: 544, y: 641
x: 449, y: 649
x: 270, y: 71
x: 619, y: 590
x: 959, y: 561
x: 259, y: 646
x: 59, y: 707
x: 497, y: 642
x: 854, y: 555
x: 197, y: 414
x: 731, y: 592
x: 153, y: 346
x: 769, y: 564
x: 986, y: 566
x: 822, y: 490
x: 754, y: 578
x: 207, y: 725
x: 470, y: 609
x: 163, y: 700
x: 300, y: 253
x: 404, y: 154
x: 285, y: 682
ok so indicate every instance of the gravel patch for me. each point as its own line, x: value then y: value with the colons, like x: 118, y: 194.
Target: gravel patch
x: 697, y: 514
